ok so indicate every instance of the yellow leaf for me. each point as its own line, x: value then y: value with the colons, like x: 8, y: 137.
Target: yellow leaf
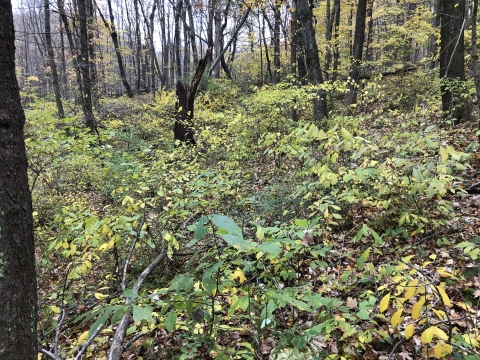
x: 443, y: 153
x: 427, y: 335
x: 384, y: 302
x: 100, y: 296
x: 238, y: 274
x: 440, y: 333
x: 443, y: 294
x: 441, y: 350
x: 55, y: 309
x: 417, y: 307
x: 396, y: 318
x: 441, y: 314
x: 411, y: 288
x: 82, y: 338
x: 409, y: 331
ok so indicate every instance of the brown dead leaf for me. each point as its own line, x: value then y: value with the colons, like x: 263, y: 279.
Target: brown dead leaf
x: 351, y: 303
x: 308, y: 240
x: 267, y: 346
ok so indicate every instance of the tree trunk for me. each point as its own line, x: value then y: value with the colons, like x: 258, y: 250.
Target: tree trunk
x: 432, y: 49
x: 191, y: 31
x: 312, y: 59
x: 18, y: 287
x: 85, y: 67
x: 185, y: 92
x: 178, y: 65
x: 276, y: 41
x: 476, y: 74
x: 51, y: 59
x: 358, y: 41
x: 452, y: 55
x: 138, y: 51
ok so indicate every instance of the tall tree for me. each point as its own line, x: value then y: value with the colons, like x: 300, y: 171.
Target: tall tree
x: 51, y: 60
x: 305, y: 17
x: 85, y: 66
x: 18, y: 287
x: 452, y: 19
x: 358, y: 40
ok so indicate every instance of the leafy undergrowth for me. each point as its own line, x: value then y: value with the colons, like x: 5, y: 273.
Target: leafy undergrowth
x: 282, y: 240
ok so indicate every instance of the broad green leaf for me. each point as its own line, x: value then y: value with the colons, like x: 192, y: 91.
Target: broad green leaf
x: 170, y: 321
x: 143, y: 312
x: 271, y: 248
x: 226, y: 223
x: 100, y: 321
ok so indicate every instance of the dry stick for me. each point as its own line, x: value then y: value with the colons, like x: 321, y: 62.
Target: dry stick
x: 116, y: 348
x: 49, y: 354
x: 89, y: 341
x: 127, y: 261
x: 57, y: 333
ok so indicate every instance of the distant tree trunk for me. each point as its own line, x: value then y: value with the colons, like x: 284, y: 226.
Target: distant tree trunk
x: 305, y: 18
x: 452, y: 55
x: 432, y: 49
x: 476, y: 74
x: 276, y: 41
x: 358, y: 41
x: 152, y: 47
x: 185, y: 92
x: 113, y: 33
x: 51, y: 59
x: 336, y: 51
x: 369, y: 15
x: 191, y: 30
x: 85, y: 67
x: 267, y: 57
x: 217, y: 22
x: 18, y: 286
x: 178, y: 12
x: 138, y: 51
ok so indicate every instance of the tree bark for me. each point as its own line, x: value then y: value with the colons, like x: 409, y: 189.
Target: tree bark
x: 185, y: 92
x: 452, y: 55
x: 476, y: 74
x: 18, y: 287
x: 312, y: 59
x: 358, y: 41
x: 276, y: 41
x: 51, y: 59
x: 85, y: 67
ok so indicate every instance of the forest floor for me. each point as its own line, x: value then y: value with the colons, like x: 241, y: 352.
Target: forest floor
x: 284, y: 241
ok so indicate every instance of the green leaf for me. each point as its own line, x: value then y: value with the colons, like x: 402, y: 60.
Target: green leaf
x: 271, y: 248
x: 101, y: 320
x: 225, y: 223
x: 143, y: 312
x: 346, y: 135
x: 170, y: 321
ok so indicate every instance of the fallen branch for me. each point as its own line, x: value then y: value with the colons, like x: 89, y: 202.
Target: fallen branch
x: 116, y: 349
